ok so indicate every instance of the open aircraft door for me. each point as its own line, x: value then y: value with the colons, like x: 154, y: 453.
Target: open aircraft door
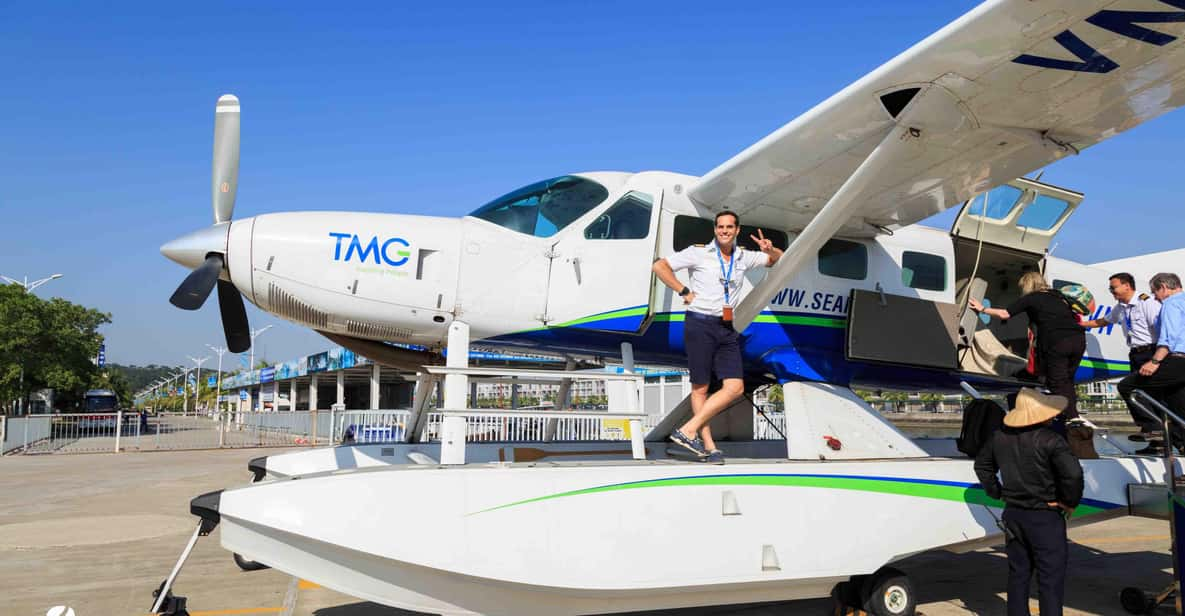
x: 600, y: 275
x: 1022, y: 214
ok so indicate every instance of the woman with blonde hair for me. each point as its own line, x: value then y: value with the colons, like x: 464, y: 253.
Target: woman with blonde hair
x: 1059, y: 340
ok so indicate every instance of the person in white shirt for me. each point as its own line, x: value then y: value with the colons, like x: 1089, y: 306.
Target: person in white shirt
x: 717, y: 273
x: 1139, y: 317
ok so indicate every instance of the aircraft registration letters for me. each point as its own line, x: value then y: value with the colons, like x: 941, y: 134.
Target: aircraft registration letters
x: 821, y: 301
x: 1123, y: 23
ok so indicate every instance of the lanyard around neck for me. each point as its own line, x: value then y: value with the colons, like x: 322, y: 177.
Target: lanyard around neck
x: 727, y: 275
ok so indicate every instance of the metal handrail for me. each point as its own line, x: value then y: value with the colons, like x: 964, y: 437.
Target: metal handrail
x: 1140, y: 395
x: 1138, y: 398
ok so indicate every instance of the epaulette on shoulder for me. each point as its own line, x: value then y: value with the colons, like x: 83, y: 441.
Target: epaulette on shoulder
x: 699, y: 245
x: 1145, y: 296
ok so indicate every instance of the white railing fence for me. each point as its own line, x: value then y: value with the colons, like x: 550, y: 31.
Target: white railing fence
x: 769, y: 426
x: 20, y: 431
x: 377, y: 426
x: 131, y: 431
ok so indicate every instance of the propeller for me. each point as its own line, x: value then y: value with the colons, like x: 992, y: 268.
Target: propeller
x: 234, y: 318
x: 226, y: 157
x: 196, y: 288
x: 197, y: 285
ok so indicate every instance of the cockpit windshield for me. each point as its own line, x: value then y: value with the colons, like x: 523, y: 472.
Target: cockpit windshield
x: 544, y: 208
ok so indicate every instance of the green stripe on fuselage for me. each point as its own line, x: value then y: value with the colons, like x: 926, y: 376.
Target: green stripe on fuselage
x: 777, y: 319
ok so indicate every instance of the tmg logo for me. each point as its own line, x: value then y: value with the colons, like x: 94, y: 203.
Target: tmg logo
x: 381, y: 252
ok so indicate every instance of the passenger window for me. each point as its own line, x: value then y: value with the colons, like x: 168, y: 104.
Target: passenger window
x: 844, y: 259
x: 999, y: 202
x: 1043, y: 213
x: 628, y: 219
x: 923, y: 271
x: 691, y: 230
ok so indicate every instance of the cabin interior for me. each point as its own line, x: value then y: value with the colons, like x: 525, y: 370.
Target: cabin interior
x: 989, y: 273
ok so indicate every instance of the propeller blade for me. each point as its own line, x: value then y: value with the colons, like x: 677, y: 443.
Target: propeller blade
x: 226, y: 157
x: 196, y: 287
x: 234, y: 318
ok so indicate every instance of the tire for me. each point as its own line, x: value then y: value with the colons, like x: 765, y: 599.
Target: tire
x: 248, y: 565
x: 1136, y: 601
x: 889, y: 592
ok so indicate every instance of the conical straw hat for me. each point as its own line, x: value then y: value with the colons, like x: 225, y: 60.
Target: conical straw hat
x: 1034, y: 407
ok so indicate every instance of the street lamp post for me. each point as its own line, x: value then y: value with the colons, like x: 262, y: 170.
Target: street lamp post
x: 218, y: 394
x: 197, y: 381
x: 254, y: 333
x: 184, y: 396
x: 28, y: 286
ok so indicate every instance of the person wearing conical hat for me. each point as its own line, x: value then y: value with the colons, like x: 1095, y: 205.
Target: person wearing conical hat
x: 1042, y: 484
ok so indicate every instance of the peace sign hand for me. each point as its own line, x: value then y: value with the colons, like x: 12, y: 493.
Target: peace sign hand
x: 765, y: 245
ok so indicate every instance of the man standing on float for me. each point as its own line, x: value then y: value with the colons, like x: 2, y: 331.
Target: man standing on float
x: 717, y: 273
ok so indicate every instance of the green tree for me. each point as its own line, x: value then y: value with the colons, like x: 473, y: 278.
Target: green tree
x: 47, y: 344
x: 931, y: 400
x: 776, y: 397
x: 895, y: 398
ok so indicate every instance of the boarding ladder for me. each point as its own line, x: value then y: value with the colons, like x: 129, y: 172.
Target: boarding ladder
x: 1161, y: 502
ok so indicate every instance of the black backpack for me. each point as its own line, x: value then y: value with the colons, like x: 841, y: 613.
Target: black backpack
x: 981, y: 419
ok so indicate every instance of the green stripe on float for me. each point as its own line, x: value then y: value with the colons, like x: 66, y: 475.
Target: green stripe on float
x: 972, y: 496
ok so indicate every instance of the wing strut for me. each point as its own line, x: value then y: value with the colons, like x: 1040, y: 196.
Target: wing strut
x: 841, y: 206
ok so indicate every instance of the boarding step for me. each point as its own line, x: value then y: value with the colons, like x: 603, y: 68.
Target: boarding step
x: 1148, y: 500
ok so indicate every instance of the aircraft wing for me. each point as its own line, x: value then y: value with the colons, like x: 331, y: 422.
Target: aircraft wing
x: 1006, y: 89
x: 1010, y: 87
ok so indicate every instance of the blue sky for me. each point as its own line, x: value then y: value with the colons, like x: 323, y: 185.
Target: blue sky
x: 395, y: 107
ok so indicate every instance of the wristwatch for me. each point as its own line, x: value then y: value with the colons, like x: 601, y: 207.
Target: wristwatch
x: 1154, y: 361
x: 684, y: 292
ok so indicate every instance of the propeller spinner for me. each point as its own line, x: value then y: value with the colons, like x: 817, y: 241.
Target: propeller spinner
x: 206, y: 249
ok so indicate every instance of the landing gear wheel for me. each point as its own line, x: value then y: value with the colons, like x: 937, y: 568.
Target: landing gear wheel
x: 1136, y: 601
x: 249, y: 565
x: 888, y: 592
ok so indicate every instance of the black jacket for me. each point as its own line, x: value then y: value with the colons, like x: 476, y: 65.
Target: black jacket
x: 1036, y: 465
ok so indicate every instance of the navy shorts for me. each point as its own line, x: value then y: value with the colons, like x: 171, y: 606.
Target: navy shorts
x: 713, y: 346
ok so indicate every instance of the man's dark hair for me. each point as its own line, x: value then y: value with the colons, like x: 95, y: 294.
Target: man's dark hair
x: 1125, y: 278
x: 1164, y: 280
x: 735, y: 219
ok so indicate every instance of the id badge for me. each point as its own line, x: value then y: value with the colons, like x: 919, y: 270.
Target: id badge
x: 728, y: 313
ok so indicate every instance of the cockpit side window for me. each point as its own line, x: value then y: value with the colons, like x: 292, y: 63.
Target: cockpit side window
x: 544, y: 208
x: 628, y: 219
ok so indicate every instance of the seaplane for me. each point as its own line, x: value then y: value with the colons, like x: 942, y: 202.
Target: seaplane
x: 863, y: 296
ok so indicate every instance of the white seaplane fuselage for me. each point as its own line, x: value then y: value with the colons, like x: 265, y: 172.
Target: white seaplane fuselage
x: 405, y: 279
